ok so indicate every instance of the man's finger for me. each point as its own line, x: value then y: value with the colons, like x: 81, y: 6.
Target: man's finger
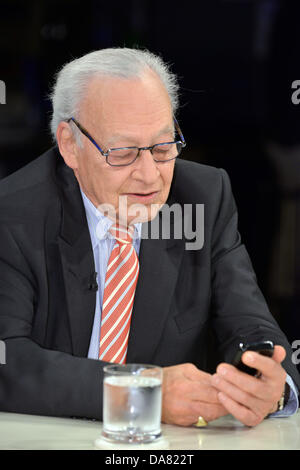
x: 240, y: 412
x: 266, y: 365
x: 208, y: 412
x: 240, y: 396
x: 279, y: 353
x: 198, y: 392
x: 196, y: 387
x: 243, y: 381
x: 191, y: 372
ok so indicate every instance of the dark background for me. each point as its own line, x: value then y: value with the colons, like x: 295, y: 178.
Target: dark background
x: 236, y: 61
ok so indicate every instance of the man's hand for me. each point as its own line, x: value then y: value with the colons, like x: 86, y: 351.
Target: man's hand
x: 247, y: 398
x: 187, y: 393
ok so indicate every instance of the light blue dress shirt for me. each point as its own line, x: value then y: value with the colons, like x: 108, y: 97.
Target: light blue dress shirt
x: 102, y: 245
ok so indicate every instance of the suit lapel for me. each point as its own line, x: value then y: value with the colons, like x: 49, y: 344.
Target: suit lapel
x: 77, y: 263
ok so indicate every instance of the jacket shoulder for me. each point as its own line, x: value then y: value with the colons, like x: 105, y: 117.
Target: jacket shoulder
x: 196, y: 180
x: 28, y: 191
x: 32, y: 174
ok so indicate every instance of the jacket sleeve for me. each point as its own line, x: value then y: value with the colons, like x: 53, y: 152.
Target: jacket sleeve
x: 240, y: 312
x: 35, y: 380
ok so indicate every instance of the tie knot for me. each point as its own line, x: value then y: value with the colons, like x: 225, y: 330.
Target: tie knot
x: 122, y: 234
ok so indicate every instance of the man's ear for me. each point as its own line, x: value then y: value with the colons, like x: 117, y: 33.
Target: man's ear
x: 67, y: 144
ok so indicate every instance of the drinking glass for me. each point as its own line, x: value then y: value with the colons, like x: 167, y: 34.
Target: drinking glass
x: 132, y: 399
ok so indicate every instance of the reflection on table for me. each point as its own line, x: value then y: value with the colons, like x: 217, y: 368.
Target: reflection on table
x: 19, y: 431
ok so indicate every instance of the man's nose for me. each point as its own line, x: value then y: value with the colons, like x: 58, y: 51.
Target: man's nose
x: 145, y: 167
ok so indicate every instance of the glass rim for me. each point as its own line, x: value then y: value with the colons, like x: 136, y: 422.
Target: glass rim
x: 126, y: 367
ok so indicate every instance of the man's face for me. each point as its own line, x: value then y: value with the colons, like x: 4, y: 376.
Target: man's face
x: 123, y: 113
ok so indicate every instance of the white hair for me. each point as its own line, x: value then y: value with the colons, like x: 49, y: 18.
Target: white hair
x: 73, y: 79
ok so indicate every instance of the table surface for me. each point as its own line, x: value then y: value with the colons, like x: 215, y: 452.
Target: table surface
x: 20, y: 431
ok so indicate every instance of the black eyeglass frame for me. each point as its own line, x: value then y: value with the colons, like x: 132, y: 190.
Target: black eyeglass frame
x: 182, y: 142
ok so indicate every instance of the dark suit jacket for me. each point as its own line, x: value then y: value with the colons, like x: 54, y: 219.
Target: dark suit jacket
x: 188, y: 304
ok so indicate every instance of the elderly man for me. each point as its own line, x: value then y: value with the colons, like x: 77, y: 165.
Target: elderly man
x: 76, y: 293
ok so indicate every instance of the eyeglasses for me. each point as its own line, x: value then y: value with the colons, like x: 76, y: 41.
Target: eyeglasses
x: 124, y: 156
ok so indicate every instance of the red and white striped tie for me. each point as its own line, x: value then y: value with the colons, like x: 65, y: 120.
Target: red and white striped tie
x: 120, y: 284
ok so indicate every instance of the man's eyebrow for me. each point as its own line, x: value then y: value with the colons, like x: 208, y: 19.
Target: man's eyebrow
x: 131, y: 139
x: 166, y: 130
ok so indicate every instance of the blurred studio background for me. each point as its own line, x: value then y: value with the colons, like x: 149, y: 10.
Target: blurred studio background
x: 237, y: 62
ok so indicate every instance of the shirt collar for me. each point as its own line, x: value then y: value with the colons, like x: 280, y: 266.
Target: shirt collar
x: 99, y: 224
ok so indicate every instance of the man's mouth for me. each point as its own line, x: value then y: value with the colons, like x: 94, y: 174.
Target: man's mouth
x: 142, y: 196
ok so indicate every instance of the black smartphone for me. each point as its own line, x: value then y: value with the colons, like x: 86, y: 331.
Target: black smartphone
x: 266, y: 348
